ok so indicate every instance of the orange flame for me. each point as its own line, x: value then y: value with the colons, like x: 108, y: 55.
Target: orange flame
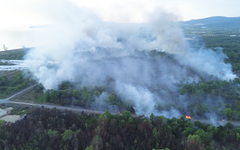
x: 188, y: 117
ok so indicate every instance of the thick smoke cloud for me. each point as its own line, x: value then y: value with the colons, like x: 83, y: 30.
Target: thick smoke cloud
x: 81, y: 47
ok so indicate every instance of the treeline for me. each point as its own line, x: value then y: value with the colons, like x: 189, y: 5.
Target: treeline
x: 78, y: 97
x: 202, y: 90
x: 5, y: 63
x: 13, y: 54
x: 14, y: 83
x: 218, y: 97
x: 68, y: 95
x: 223, y: 98
x: 44, y: 129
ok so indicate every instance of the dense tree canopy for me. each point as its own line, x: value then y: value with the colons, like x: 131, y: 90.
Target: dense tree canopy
x: 54, y: 129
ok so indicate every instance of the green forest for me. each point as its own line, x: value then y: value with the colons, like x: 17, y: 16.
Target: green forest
x: 230, y: 46
x: 212, y: 38
x: 55, y: 130
x: 42, y: 128
x: 224, y: 95
x: 67, y: 95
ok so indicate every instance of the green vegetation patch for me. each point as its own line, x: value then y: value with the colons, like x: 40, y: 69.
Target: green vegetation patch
x: 17, y: 54
x: 35, y: 95
x: 212, y: 38
x: 14, y: 82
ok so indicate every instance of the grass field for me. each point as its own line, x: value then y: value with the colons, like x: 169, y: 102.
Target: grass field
x: 8, y: 73
x: 12, y: 82
x: 32, y: 95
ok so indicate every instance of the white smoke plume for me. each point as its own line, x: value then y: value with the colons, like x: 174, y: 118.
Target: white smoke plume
x: 83, y: 48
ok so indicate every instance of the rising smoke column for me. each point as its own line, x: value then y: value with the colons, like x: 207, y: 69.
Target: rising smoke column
x: 82, y: 47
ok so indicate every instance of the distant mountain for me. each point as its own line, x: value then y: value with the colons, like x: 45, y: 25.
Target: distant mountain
x: 215, y: 22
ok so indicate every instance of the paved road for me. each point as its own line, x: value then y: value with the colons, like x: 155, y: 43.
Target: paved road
x: 213, y: 122
x: 91, y: 111
x: 76, y: 109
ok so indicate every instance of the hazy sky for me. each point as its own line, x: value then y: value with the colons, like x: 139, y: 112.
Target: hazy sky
x: 21, y: 13
x: 18, y: 15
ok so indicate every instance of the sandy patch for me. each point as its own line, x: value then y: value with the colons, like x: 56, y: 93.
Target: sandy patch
x: 10, y: 118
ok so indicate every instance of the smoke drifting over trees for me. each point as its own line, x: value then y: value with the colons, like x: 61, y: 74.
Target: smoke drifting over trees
x: 143, y: 63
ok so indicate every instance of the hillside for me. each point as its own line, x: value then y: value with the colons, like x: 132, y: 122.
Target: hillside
x: 15, y: 54
x: 215, y: 22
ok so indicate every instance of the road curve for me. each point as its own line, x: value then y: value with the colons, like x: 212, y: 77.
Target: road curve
x: 91, y: 111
